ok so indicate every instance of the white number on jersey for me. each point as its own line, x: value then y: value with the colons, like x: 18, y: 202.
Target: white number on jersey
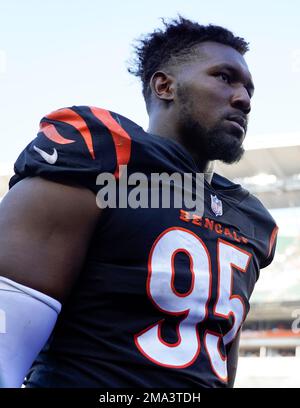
x: 192, y: 305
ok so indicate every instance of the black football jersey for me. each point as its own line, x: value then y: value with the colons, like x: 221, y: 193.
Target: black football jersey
x: 163, y: 291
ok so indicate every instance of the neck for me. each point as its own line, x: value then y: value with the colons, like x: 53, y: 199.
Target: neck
x: 162, y: 126
x: 165, y: 127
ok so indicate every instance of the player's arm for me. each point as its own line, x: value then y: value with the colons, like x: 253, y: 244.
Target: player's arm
x: 45, y: 229
x: 232, y: 359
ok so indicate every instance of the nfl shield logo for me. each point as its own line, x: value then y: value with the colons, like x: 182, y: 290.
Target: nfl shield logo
x: 216, y: 205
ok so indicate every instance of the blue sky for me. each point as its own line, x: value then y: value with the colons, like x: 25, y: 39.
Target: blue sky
x: 55, y: 54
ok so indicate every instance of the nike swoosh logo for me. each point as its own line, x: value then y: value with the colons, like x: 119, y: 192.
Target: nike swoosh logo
x: 49, y: 158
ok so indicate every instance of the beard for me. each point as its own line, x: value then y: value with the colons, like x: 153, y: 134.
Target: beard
x: 207, y: 143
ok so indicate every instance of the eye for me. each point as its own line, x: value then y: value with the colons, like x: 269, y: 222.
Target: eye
x: 224, y: 77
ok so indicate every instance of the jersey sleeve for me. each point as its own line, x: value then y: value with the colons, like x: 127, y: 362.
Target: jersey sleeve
x: 75, y: 145
x: 262, y: 230
x: 271, y: 248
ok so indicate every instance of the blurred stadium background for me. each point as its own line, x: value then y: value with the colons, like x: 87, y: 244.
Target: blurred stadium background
x: 270, y: 341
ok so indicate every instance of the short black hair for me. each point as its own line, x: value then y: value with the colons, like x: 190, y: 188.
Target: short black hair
x: 178, y: 39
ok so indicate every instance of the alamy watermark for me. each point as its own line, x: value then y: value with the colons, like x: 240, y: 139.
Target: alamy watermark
x: 156, y: 190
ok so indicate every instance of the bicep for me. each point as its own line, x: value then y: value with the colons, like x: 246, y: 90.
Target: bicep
x: 45, y: 229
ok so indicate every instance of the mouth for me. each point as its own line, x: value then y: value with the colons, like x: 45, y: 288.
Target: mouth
x: 239, y: 123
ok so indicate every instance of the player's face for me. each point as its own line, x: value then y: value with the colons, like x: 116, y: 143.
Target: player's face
x: 213, y: 102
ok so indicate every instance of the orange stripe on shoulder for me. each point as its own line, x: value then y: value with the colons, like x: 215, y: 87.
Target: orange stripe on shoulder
x: 121, y: 138
x: 51, y: 133
x: 72, y: 118
x: 272, y: 240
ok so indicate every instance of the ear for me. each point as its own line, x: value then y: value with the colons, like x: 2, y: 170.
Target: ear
x: 163, y: 85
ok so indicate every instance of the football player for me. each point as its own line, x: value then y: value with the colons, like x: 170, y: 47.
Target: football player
x: 138, y: 297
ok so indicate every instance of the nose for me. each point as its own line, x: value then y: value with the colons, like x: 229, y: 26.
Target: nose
x: 241, y: 100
